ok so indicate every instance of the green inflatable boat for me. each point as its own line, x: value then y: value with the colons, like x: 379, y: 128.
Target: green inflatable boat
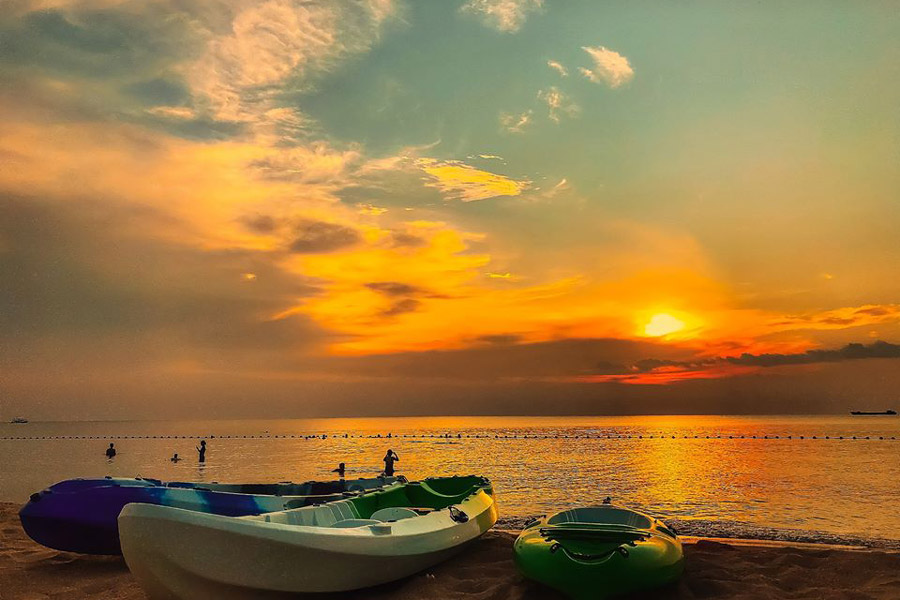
x: 599, y: 551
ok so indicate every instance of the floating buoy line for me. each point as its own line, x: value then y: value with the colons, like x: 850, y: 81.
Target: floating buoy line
x: 458, y: 436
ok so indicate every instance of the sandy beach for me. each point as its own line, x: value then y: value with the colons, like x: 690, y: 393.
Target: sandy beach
x: 715, y: 569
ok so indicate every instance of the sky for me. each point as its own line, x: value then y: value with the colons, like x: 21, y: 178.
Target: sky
x: 287, y: 208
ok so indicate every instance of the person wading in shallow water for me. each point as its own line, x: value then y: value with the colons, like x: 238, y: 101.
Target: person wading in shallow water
x: 389, y: 459
x: 111, y: 451
x: 340, y: 470
x: 202, y: 451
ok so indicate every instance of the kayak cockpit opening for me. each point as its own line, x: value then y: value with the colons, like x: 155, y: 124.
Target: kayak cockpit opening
x: 607, y: 515
x: 451, y: 487
x: 394, y: 503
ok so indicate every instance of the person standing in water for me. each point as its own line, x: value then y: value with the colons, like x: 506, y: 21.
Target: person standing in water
x: 389, y: 459
x: 111, y: 451
x: 340, y: 470
x: 202, y: 451
x: 175, y: 458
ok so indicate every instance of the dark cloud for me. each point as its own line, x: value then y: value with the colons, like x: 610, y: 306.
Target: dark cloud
x: 403, y: 295
x: 319, y: 236
x: 843, y: 319
x: 609, y: 368
x: 261, y: 223
x: 848, y: 352
x: 116, y: 66
x: 202, y: 127
x: 98, y: 43
x: 407, y: 305
x: 501, y: 339
x: 160, y: 91
x: 839, y: 321
x: 651, y: 364
x: 407, y: 240
x: 393, y: 288
x: 84, y: 274
x: 555, y: 359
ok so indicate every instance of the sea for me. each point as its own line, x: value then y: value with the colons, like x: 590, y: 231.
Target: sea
x: 808, y: 478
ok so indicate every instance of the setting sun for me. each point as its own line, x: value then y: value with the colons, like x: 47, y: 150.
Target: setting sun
x: 662, y: 324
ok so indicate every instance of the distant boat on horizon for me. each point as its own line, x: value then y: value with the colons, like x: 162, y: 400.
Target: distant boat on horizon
x: 19, y: 420
x: 872, y: 413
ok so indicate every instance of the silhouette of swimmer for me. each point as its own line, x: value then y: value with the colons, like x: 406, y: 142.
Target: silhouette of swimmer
x: 202, y: 450
x: 175, y: 458
x: 340, y: 470
x: 389, y: 459
x: 111, y: 451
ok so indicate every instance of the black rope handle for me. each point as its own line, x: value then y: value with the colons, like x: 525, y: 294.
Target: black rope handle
x: 622, y: 550
x: 458, y: 515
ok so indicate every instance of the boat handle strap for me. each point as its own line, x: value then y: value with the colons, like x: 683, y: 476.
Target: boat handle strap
x: 590, y: 557
x: 458, y: 515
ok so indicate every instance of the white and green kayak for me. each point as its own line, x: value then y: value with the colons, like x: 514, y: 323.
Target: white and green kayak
x: 348, y: 544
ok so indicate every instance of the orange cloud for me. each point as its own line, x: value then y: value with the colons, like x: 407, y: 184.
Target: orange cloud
x: 211, y: 189
x: 669, y: 375
x: 840, y: 318
x: 457, y: 180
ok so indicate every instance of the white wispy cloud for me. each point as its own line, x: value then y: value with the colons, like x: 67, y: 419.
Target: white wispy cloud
x: 315, y: 163
x: 173, y: 112
x: 558, y: 103
x: 610, y: 67
x: 558, y: 67
x: 503, y: 15
x: 272, y: 41
x: 515, y: 122
x: 561, y: 186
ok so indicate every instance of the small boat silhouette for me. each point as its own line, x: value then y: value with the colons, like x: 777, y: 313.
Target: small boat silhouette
x: 870, y: 413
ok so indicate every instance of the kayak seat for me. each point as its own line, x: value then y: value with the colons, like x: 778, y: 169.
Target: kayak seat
x: 325, y: 515
x: 348, y: 523
x: 393, y: 513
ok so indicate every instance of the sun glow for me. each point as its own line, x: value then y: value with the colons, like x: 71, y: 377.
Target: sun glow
x: 662, y: 324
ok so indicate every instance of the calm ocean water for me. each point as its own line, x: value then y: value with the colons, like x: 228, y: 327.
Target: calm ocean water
x: 684, y: 467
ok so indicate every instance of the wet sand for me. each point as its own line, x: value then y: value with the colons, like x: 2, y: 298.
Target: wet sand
x: 714, y: 569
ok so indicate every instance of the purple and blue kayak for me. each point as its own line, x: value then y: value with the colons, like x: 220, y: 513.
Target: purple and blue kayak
x: 80, y: 515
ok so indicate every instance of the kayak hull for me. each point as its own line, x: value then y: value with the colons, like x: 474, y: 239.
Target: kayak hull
x: 179, y: 554
x: 597, y: 559
x: 80, y: 515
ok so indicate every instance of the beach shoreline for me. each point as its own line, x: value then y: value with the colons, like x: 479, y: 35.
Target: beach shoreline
x: 737, y: 531
x: 723, y: 568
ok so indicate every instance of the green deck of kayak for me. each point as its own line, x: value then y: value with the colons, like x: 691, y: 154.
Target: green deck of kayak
x: 435, y: 493
x: 599, y: 552
x: 409, y: 499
